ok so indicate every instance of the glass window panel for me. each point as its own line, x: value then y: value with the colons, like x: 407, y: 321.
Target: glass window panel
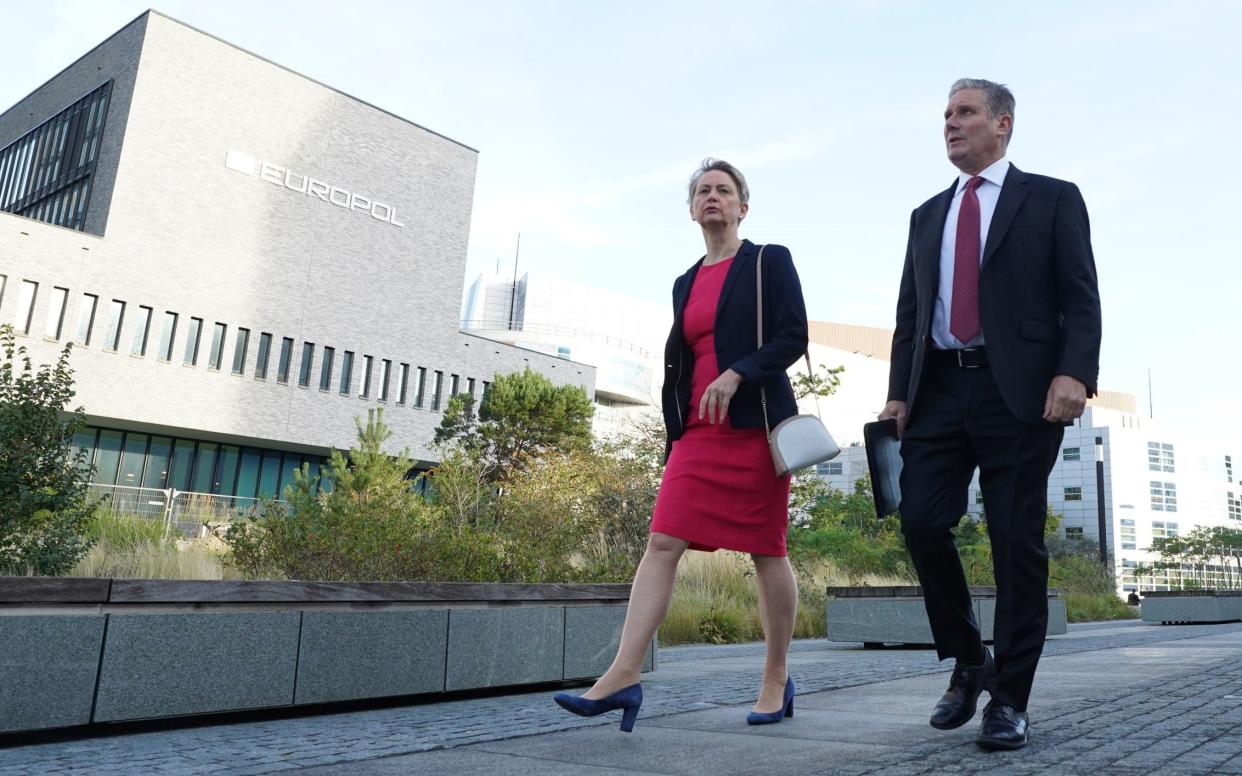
x: 56, y: 312
x: 182, y: 462
x: 116, y: 319
x: 84, y: 442
x: 470, y: 386
x: 248, y: 472
x: 192, y: 335
x: 108, y: 456
x: 292, y: 462
x: 269, y: 477
x: 308, y: 361
x: 226, y: 471
x: 421, y: 389
x: 26, y: 296
x: 385, y: 376
x: 158, y: 455
x: 325, y: 370
x: 265, y: 352
x: 142, y: 327
x: 454, y: 384
x: 436, y: 391
x: 204, y: 467
x: 366, y: 377
x: 133, y: 458
x: 4, y: 281
x: 347, y: 369
x: 216, y: 357
x: 239, y: 351
x: 286, y: 355
x: 168, y: 336
x: 404, y: 383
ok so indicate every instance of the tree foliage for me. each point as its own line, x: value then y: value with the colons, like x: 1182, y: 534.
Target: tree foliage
x: 44, y: 510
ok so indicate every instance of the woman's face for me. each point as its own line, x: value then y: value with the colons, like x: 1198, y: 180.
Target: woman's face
x: 716, y: 200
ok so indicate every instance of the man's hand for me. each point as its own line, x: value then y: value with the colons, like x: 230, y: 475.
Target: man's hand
x: 897, y: 411
x: 1067, y: 397
x: 715, y: 401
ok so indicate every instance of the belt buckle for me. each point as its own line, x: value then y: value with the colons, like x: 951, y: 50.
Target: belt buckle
x: 961, y: 364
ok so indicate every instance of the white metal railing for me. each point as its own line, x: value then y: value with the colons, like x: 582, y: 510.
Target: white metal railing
x: 182, y: 511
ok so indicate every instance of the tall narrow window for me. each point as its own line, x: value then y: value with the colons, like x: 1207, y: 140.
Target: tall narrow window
x: 286, y: 355
x: 217, y: 346
x: 470, y: 386
x: 240, y: 347
x: 116, y: 319
x: 347, y: 371
x: 25, y: 305
x: 4, y: 281
x: 86, y: 318
x: 56, y: 312
x: 193, y: 334
x: 385, y: 375
x: 142, y: 330
x: 325, y: 371
x: 168, y: 336
x: 308, y: 360
x: 366, y: 377
x: 265, y: 352
x: 436, y: 391
x: 420, y: 389
x: 405, y: 383
x: 454, y: 384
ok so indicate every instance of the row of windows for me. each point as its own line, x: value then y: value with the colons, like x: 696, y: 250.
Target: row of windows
x: 1164, y: 579
x: 153, y: 461
x: 1127, y: 534
x: 1160, y: 457
x: 381, y: 379
x: 47, y: 173
x: 1163, y: 496
x: 1161, y: 529
x: 1228, y: 469
x: 1234, y: 505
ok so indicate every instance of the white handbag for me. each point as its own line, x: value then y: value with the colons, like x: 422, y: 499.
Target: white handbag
x: 802, y: 440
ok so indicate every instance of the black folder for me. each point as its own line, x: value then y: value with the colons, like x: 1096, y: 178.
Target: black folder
x: 884, y: 462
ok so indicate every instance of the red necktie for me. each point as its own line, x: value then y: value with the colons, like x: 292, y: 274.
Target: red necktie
x: 964, y: 316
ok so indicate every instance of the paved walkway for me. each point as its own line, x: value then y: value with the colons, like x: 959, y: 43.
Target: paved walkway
x: 1110, y: 699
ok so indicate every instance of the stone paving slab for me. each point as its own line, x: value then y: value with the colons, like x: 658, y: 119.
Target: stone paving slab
x: 1170, y: 683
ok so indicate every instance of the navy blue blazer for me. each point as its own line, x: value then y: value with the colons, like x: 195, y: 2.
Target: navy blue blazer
x: 784, y: 341
x: 1039, y: 300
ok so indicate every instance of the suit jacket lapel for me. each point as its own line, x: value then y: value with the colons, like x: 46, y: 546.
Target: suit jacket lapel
x: 1011, y: 196
x: 930, y: 238
x: 741, y: 262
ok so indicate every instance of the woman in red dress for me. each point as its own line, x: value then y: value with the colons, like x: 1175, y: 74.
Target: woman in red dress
x: 720, y: 487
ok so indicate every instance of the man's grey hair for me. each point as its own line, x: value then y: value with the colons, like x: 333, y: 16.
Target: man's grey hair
x: 710, y: 164
x: 997, y: 97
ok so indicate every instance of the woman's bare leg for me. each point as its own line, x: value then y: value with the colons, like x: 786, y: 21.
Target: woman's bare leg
x: 649, y: 597
x: 778, y: 611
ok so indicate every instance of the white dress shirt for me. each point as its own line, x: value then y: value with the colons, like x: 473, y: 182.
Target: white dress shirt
x: 988, y: 193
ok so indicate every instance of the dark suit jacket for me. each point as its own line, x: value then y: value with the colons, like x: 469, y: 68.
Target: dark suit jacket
x: 1039, y: 301
x: 784, y: 340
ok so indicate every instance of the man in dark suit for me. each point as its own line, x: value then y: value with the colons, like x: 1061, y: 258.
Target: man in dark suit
x: 996, y: 349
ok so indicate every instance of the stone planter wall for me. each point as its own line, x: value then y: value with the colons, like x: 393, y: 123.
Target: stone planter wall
x: 82, y: 651
x: 896, y: 615
x: 1169, y: 607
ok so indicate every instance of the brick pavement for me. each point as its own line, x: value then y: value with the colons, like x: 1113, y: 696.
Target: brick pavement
x: 1185, y: 715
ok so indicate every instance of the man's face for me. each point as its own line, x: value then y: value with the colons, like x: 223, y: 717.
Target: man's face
x: 972, y: 139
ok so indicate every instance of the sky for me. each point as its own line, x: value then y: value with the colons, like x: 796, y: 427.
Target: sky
x: 589, y: 118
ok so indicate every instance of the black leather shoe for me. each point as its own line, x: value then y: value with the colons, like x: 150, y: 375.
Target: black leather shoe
x: 1004, y: 727
x: 957, y: 706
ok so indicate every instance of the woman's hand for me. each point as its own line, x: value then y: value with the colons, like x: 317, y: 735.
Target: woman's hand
x: 715, y: 401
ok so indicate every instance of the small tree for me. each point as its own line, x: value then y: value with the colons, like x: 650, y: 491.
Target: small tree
x: 522, y: 417
x: 43, y: 503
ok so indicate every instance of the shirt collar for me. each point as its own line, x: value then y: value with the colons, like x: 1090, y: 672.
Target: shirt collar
x: 993, y: 173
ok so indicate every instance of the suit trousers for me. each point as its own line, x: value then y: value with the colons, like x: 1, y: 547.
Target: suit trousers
x: 960, y: 422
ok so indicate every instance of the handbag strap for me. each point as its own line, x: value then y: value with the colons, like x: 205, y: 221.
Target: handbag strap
x: 763, y: 393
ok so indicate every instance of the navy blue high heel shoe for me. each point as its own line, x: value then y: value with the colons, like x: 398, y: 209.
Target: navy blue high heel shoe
x: 628, y: 699
x: 771, y: 718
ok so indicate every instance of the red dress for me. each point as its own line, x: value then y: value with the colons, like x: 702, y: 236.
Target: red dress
x: 720, y: 489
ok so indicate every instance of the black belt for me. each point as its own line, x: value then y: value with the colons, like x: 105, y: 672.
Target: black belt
x: 966, y: 358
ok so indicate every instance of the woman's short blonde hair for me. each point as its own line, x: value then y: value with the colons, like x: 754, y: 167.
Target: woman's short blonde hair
x: 710, y: 164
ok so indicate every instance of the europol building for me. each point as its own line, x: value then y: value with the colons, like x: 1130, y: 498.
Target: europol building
x: 246, y: 260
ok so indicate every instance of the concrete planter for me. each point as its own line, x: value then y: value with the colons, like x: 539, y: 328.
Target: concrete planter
x: 896, y: 615
x: 1170, y: 607
x: 83, y: 651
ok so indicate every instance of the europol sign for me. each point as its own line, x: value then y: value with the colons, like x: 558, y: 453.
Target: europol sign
x: 304, y: 184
